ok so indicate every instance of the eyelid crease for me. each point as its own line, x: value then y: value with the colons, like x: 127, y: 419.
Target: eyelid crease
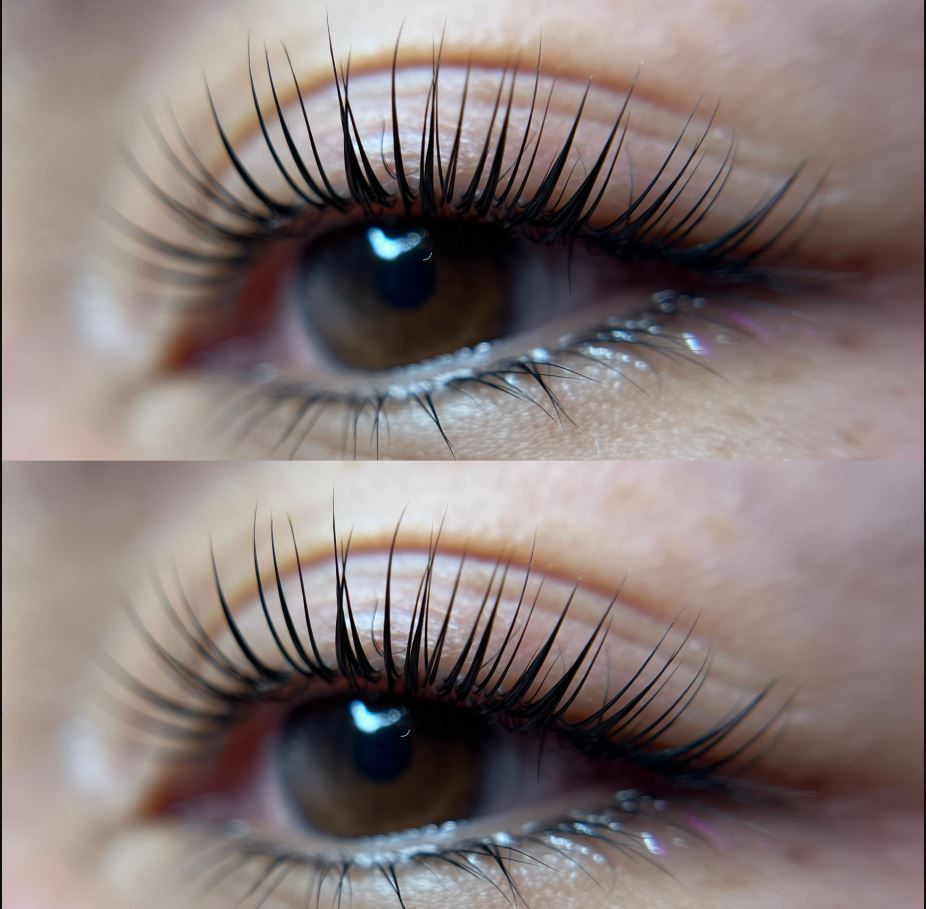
x: 415, y: 71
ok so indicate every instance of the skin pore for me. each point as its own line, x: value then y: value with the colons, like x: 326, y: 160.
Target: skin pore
x: 806, y: 574
x: 90, y: 368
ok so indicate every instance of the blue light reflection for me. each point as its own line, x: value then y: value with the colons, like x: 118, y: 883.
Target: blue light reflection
x: 390, y: 248
x: 367, y: 721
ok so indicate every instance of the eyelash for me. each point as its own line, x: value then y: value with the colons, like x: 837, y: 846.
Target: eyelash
x: 494, y: 193
x: 476, y: 681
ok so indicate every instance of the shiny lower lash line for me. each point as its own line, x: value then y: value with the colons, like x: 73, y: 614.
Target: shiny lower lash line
x: 528, y: 378
x: 494, y: 193
x: 537, y: 702
x: 580, y: 837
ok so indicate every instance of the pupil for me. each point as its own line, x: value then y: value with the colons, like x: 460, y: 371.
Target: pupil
x: 383, y: 743
x: 405, y: 272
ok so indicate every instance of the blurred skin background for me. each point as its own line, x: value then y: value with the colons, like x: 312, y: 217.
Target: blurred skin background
x: 806, y: 574
x: 835, y: 85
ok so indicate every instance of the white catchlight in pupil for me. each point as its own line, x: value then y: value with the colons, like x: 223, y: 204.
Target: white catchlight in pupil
x: 367, y: 721
x: 390, y: 248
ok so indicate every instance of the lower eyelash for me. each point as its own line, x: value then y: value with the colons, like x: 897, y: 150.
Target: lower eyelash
x: 621, y: 346
x: 633, y: 826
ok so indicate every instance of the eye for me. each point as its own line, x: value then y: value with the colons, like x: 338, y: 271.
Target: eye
x: 496, y: 247
x: 395, y: 294
x: 369, y: 765
x: 361, y: 767
x: 446, y: 711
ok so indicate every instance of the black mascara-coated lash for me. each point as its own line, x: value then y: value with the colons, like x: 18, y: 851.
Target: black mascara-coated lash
x: 492, y: 192
x: 478, y: 678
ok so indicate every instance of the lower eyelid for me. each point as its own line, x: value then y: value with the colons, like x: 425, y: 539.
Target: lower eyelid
x: 593, y: 355
x: 722, y: 849
x: 595, y: 844
x: 774, y: 349
x: 626, y: 845
x: 601, y: 836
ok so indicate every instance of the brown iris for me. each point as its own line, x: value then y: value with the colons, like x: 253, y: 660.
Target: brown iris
x: 395, y: 293
x: 354, y: 767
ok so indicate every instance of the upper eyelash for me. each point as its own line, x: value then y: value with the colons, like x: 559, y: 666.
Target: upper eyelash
x: 538, y: 700
x: 492, y: 192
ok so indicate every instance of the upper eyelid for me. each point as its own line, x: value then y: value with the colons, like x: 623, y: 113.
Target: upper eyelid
x: 137, y: 202
x: 598, y: 115
x: 312, y: 527
x: 661, y: 116
x: 414, y: 78
x: 633, y: 635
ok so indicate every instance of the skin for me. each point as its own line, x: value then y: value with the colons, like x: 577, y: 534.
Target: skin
x: 810, y: 574
x: 833, y: 84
